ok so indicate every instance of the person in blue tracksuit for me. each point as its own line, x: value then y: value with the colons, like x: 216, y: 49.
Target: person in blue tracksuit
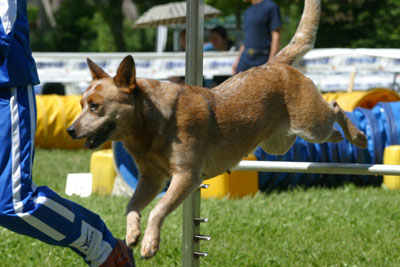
x: 26, y: 209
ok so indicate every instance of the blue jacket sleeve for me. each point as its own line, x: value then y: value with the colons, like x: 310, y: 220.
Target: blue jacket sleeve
x: 8, y: 16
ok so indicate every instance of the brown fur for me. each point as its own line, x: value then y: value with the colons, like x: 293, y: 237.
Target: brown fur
x: 187, y: 133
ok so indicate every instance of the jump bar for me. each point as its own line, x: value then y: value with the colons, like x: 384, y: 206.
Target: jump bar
x: 318, y: 167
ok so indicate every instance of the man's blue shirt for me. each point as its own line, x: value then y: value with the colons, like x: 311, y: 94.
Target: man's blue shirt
x: 259, y: 21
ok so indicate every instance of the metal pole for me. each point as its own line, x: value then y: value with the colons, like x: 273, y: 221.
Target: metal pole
x: 193, y: 76
x: 190, y: 246
x: 318, y: 167
x: 194, y: 42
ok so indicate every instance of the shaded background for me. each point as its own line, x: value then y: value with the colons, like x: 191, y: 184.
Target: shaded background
x: 106, y: 25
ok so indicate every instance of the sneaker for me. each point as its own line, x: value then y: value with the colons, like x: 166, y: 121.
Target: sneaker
x: 121, y: 256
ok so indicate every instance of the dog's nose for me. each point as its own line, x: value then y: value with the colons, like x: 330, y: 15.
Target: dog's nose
x: 71, y: 131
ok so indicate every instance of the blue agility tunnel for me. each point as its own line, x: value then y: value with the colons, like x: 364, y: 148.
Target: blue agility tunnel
x: 126, y: 167
x: 124, y: 164
x: 385, y: 112
x: 379, y: 124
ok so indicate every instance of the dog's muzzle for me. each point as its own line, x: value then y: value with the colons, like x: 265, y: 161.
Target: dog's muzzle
x: 72, y: 131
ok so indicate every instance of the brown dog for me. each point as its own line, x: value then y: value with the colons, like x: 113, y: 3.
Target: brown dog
x: 187, y: 133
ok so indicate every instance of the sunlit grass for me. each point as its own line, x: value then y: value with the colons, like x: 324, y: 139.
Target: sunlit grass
x: 348, y: 226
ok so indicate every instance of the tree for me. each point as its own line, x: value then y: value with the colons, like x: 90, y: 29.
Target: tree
x: 112, y: 13
x: 74, y: 30
x: 49, y: 12
x: 100, y: 25
x: 235, y: 7
x: 144, y: 5
x: 83, y: 25
x: 344, y: 23
x: 359, y: 23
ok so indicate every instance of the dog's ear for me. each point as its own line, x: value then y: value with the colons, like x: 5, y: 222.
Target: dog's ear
x: 126, y: 74
x: 96, y: 71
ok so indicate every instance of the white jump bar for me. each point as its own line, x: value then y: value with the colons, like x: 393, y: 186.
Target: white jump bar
x: 318, y: 167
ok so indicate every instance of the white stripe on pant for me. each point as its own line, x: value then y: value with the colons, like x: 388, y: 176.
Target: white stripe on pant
x: 63, y: 222
x: 16, y: 171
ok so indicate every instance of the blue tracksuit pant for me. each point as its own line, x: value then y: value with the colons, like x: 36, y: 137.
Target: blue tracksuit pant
x: 38, y: 211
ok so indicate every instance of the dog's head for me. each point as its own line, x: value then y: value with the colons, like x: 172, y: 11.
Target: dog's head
x: 104, y: 105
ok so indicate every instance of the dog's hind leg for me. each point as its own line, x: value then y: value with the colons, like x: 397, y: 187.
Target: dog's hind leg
x: 278, y: 143
x: 146, y: 190
x: 184, y: 182
x: 353, y: 135
x: 336, y: 137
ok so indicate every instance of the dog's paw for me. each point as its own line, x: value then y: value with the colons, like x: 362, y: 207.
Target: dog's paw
x: 150, y: 246
x: 361, y: 140
x: 132, y: 237
x: 132, y: 229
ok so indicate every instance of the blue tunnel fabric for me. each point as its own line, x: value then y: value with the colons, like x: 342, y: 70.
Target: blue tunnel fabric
x: 382, y: 129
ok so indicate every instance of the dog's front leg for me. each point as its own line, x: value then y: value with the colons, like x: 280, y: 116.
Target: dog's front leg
x: 182, y: 184
x: 146, y: 190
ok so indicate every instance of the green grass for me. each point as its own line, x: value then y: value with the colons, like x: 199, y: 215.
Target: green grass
x: 348, y: 226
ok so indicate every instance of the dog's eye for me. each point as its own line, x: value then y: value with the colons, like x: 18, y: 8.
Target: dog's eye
x: 94, y: 106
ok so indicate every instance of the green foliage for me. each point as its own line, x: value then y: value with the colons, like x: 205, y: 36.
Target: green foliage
x: 33, y: 12
x: 111, y: 11
x: 349, y: 226
x: 344, y: 23
x: 75, y: 26
x: 144, y: 5
x: 228, y: 7
x: 89, y: 26
x: 359, y: 23
x: 290, y: 13
x: 139, y: 40
x: 42, y: 41
x: 96, y: 26
x: 103, y: 32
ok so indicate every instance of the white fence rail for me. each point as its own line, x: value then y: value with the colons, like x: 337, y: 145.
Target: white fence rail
x: 330, y: 69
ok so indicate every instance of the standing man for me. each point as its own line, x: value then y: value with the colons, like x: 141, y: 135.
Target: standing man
x: 262, y: 22
x: 25, y: 208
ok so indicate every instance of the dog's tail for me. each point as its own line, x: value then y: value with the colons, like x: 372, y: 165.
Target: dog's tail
x: 304, y: 38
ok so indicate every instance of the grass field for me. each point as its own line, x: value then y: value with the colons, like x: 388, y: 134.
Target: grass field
x: 347, y: 226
